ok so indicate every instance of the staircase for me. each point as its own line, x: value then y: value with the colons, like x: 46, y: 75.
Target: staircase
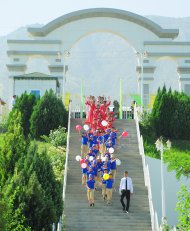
x: 80, y: 217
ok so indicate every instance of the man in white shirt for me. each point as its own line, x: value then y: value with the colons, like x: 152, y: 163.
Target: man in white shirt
x: 126, y: 189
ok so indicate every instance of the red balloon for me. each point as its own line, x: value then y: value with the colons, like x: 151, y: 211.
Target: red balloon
x: 82, y: 161
x: 78, y: 127
x: 124, y: 134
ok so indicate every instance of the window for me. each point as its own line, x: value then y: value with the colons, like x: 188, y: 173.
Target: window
x: 16, y: 59
x: 58, y: 60
x: 187, y: 61
x: 36, y: 93
x: 146, y: 61
x: 145, y: 95
x: 187, y: 89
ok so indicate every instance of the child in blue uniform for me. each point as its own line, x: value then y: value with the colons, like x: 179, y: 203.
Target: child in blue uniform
x: 90, y: 190
x: 109, y: 188
x: 84, y: 171
x: 113, y: 166
x: 84, y: 144
x: 104, y: 184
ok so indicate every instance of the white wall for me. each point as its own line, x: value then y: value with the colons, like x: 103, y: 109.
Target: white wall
x: 172, y: 186
x: 27, y: 85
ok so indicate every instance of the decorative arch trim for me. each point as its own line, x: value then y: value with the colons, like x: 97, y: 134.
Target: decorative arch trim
x: 104, y: 12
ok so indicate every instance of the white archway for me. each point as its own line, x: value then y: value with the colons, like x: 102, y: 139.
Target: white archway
x: 64, y: 32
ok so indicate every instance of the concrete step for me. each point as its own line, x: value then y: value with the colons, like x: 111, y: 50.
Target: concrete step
x: 80, y: 217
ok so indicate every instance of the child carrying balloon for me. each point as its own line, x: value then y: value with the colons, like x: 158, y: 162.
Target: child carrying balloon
x: 109, y: 188
x: 84, y: 144
x: 105, y: 176
x: 84, y: 170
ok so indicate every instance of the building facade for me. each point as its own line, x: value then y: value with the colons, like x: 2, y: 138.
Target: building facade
x: 49, y: 46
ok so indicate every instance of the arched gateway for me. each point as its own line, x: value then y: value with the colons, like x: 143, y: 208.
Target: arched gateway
x: 58, y: 36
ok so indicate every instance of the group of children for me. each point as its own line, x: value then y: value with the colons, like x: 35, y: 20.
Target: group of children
x: 98, y: 111
x: 98, y: 162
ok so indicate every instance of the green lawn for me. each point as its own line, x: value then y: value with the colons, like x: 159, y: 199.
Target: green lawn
x: 178, y: 157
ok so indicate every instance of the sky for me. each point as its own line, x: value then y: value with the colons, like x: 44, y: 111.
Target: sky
x: 18, y: 13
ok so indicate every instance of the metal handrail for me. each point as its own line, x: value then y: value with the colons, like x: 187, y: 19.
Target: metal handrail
x: 59, y: 225
x: 153, y: 214
x: 67, y: 153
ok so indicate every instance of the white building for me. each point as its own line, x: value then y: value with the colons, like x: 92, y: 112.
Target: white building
x: 48, y: 46
x: 35, y: 83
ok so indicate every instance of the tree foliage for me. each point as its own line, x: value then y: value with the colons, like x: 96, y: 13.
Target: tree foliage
x: 24, y: 104
x: 48, y: 114
x: 14, y: 147
x: 170, y: 118
x: 32, y: 195
x: 171, y: 114
x: 183, y: 208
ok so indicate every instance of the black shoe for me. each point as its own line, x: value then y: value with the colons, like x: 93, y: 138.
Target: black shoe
x: 104, y: 198
x: 124, y: 210
x: 127, y: 211
x: 92, y: 204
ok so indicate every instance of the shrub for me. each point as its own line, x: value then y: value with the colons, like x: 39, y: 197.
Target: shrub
x: 58, y: 137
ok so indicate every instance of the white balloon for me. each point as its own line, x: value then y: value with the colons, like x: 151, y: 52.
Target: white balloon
x: 104, y: 123
x: 91, y: 158
x: 118, y: 162
x: 86, y: 127
x: 103, y: 158
x: 78, y: 158
x: 111, y: 150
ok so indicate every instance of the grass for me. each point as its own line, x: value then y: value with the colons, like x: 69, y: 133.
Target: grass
x: 178, y: 157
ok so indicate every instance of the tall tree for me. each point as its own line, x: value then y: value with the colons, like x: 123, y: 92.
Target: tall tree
x: 48, y: 114
x: 14, y: 145
x: 24, y: 104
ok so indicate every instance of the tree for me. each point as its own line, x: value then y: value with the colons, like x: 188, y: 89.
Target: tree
x: 43, y: 196
x: 183, y: 208
x: 3, y: 213
x: 14, y: 146
x: 116, y: 108
x: 48, y: 114
x: 24, y: 104
x: 33, y: 195
x: 39, y: 210
x: 171, y: 114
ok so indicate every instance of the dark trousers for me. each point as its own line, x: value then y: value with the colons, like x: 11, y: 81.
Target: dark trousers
x: 125, y: 193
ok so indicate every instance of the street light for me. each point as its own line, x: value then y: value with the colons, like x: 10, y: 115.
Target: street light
x: 141, y: 56
x: 160, y: 147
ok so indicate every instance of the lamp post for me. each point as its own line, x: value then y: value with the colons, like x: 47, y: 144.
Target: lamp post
x: 160, y: 147
x: 141, y: 56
